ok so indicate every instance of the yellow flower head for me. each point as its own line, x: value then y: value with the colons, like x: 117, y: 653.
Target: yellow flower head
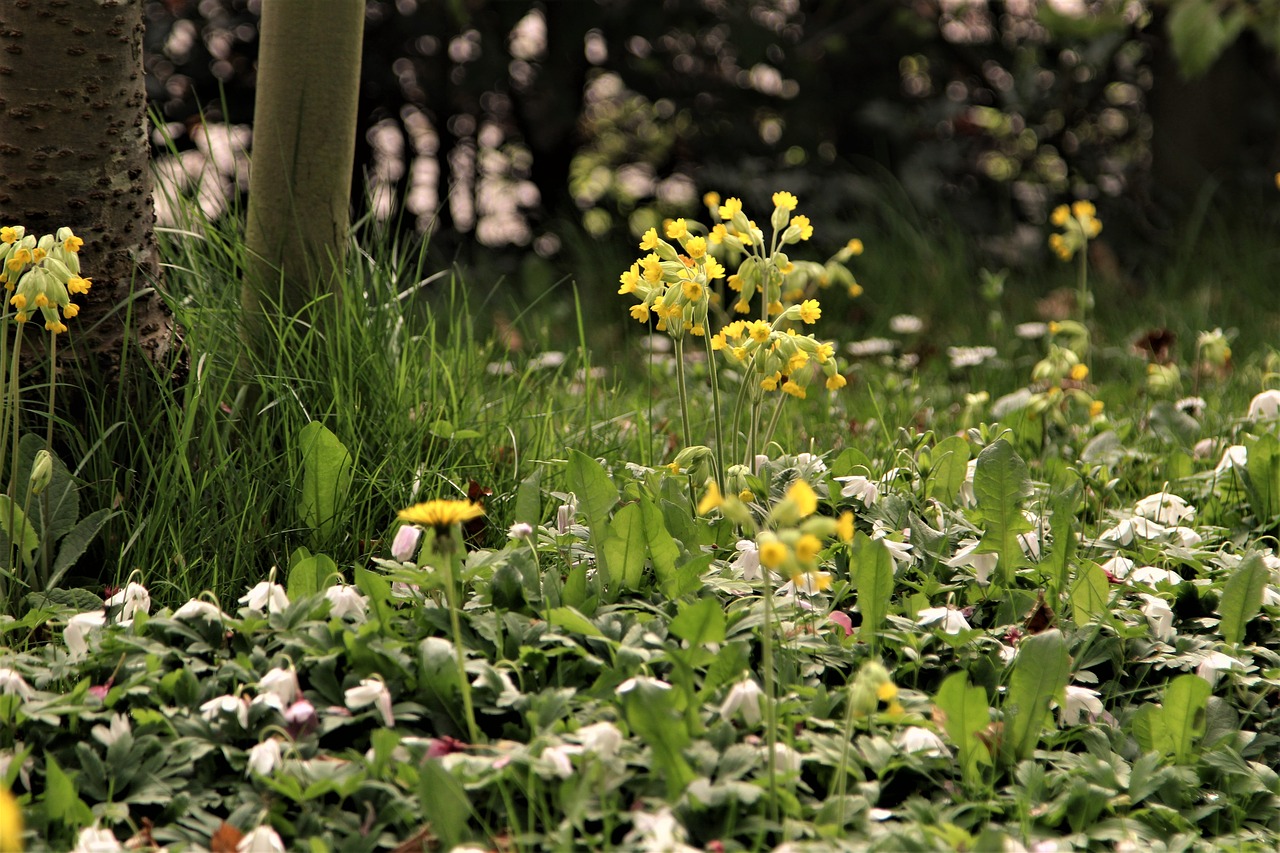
x: 770, y: 383
x: 785, y: 201
x: 810, y: 311
x: 1083, y: 210
x: 8, y: 234
x: 677, y: 229
x: 1078, y: 372
x: 808, y: 548
x: 759, y: 331
x: 640, y: 312
x: 649, y: 241
x: 38, y: 255
x: 845, y: 527
x: 835, y: 382
x: 76, y: 284
x: 731, y: 208
x: 772, y: 554
x: 775, y: 307
x: 652, y: 267
x: 71, y: 310
x: 718, y: 234
x: 794, y: 389
x: 713, y: 269
x: 693, y: 291
x: 630, y: 280
x: 42, y: 301
x: 1095, y: 408
x: 56, y: 327
x: 854, y: 246
x: 887, y: 692
x: 441, y: 514
x: 1060, y: 215
x: 805, y: 227
x: 696, y: 247
x: 711, y: 500
x: 10, y: 821
x: 804, y: 497
x: 742, y: 306
x: 711, y: 199
x: 18, y: 301
x: 798, y: 360
x: 72, y: 244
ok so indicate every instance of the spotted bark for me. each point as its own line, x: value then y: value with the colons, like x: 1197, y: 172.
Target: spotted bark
x: 73, y: 151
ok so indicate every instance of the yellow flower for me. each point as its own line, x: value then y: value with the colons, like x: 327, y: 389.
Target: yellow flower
x: 38, y: 255
x: 718, y: 234
x: 76, y: 284
x: 855, y: 290
x: 8, y: 234
x: 713, y: 268
x: 770, y: 383
x: 1059, y: 246
x: 711, y: 500
x: 18, y: 300
x: 649, y: 241
x: 630, y: 280
x: 810, y: 311
x: 711, y: 199
x: 795, y: 390
x: 56, y: 327
x: 10, y: 822
x: 746, y: 496
x: 784, y: 200
x: 808, y: 548
x: 854, y: 246
x: 845, y: 527
x: 697, y: 331
x: 718, y: 341
x: 696, y: 247
x: 835, y: 382
x: 887, y: 692
x: 677, y: 229
x: 693, y: 290
x: 742, y: 306
x: 797, y: 361
x: 441, y: 514
x: 640, y: 312
x: 71, y: 310
x: 804, y: 497
x: 775, y: 307
x: 21, y: 317
x: 772, y: 554
x: 1078, y: 372
x: 1060, y: 215
x: 812, y: 581
x: 72, y: 244
x: 42, y: 301
x: 731, y: 208
x: 735, y: 282
x: 1095, y: 408
x: 802, y: 223
x: 1083, y: 210
x: 759, y: 331
x: 652, y: 267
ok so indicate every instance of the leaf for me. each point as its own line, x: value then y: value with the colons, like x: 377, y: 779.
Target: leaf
x: 1000, y: 483
x: 1199, y: 33
x: 1090, y: 596
x: 1039, y: 673
x: 445, y: 803
x: 652, y: 715
x: 572, y: 620
x: 687, y: 577
x: 592, y: 486
x: 61, y: 496
x: 529, y: 499
x: 1063, y: 506
x: 62, y: 803
x: 308, y: 574
x: 376, y: 587
x: 12, y: 519
x: 663, y: 550
x: 1183, y: 717
x: 964, y: 714
x: 700, y: 623
x: 326, y: 478
x: 77, y: 540
x: 624, y: 547
x: 1242, y: 596
x: 950, y: 467
x: 1261, y: 477
x: 873, y: 581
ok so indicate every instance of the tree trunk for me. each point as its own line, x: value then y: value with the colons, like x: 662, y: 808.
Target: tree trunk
x: 303, y: 146
x: 73, y: 152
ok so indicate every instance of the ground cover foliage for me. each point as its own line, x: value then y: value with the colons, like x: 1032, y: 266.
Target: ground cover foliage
x: 1020, y: 596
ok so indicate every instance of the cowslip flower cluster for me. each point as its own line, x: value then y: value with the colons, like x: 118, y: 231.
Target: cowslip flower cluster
x: 673, y: 285
x: 1079, y: 223
x: 42, y: 274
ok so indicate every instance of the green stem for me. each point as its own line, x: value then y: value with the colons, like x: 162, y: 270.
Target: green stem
x: 770, y: 706
x: 683, y: 393
x: 12, y: 422
x: 46, y: 547
x: 715, y: 413
x: 773, y: 421
x: 453, y: 560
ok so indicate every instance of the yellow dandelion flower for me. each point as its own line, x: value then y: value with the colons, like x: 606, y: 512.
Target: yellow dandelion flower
x: 441, y: 514
x: 785, y: 201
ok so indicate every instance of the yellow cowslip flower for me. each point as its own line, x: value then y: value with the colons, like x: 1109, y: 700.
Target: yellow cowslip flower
x: 640, y: 312
x: 8, y: 234
x: 18, y: 301
x: 855, y: 290
x: 696, y: 247
x: 677, y: 229
x: 824, y: 352
x: 1059, y: 246
x: 731, y: 208
x: 10, y: 822
x: 713, y: 269
x: 711, y: 199
x: 835, y: 382
x: 854, y: 246
x: 693, y: 290
x: 718, y: 234
x: 21, y: 317
x: 845, y: 528
x: 1060, y: 215
x: 1277, y: 187
x: 71, y: 310
x: 785, y: 201
x: 711, y: 500
x: 1095, y: 408
x: 812, y: 581
x: 887, y: 692
x: 1078, y: 372
x: 441, y: 514
x: 740, y: 353
x: 56, y: 327
x: 1083, y: 210
x: 630, y: 280
x: 697, y: 330
x: 20, y: 258
x: 810, y: 311
x: 802, y: 224
x: 772, y: 554
x: 775, y: 307
x: 649, y: 241
x: 797, y: 361
x: 718, y: 341
x: 42, y: 301
x: 76, y: 284
x: 804, y: 497
x: 808, y: 547
x: 788, y: 268
x: 759, y: 331
x: 742, y: 306
x: 770, y: 383
x: 72, y: 244
x: 38, y: 255
x: 735, y: 282
x: 794, y: 389
x: 746, y: 496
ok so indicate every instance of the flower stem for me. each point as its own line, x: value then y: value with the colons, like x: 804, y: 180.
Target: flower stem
x: 715, y: 413
x: 770, y: 705
x: 453, y: 588
x: 683, y: 393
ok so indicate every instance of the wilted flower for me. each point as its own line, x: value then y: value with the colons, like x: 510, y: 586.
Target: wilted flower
x: 1078, y: 702
x: 264, y: 757
x: 921, y: 740
x: 745, y: 696
x: 951, y: 621
x: 266, y: 596
x: 371, y: 691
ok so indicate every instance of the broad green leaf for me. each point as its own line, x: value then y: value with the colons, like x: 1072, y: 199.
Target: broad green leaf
x: 326, y: 478
x: 529, y: 499
x: 651, y: 713
x: 700, y: 623
x: 624, y: 546
x: 445, y: 803
x: 1062, y: 523
x: 378, y: 589
x: 1261, y: 477
x: 572, y: 620
x: 592, y: 486
x: 1199, y: 31
x: 76, y: 541
x: 1000, y: 483
x: 965, y: 714
x: 1242, y: 596
x: 950, y: 467
x: 574, y: 592
x: 849, y: 461
x: 873, y: 581
x: 309, y: 575
x: 15, y: 526
x: 1090, y: 596
x: 1039, y: 673
x: 687, y: 577
x: 663, y: 550
x: 62, y: 803
x: 1182, y: 718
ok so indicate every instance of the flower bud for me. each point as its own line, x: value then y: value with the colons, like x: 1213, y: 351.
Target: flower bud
x: 41, y: 472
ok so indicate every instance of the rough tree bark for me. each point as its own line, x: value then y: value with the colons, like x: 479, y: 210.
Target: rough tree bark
x: 73, y: 151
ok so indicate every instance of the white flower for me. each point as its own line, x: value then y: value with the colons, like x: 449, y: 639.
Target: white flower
x: 905, y: 324
x: 1193, y: 406
x: 371, y: 691
x: 226, y: 704
x: 745, y: 696
x: 77, y: 631
x: 748, y: 560
x: 565, y: 514
x: 198, y: 609
x: 300, y: 713
x: 966, y: 497
x: 657, y: 833
x: 405, y: 545
x: 558, y: 758
x: 1151, y: 576
x: 602, y: 739
x: 543, y: 360
x: 13, y: 684
x: 520, y: 530
x: 1235, y: 456
x: 1264, y: 406
x: 95, y: 839
x: 1078, y: 702
x: 862, y: 488
x: 920, y: 739
x: 280, y: 682
x: 951, y: 621
x: 962, y: 357
x: 786, y: 759
x: 263, y: 758
x: 1130, y: 528
x: 1030, y: 541
x: 132, y: 599
x: 1185, y: 536
x: 1164, y: 508
x: 345, y: 600
x: 808, y: 463
x: 637, y: 680
x: 870, y: 347
x: 1118, y: 567
x: 1159, y: 616
x: 1213, y: 664
x: 261, y: 840
x: 266, y: 596
x: 118, y: 729
x: 899, y: 550
x: 967, y: 555
x: 1031, y: 331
